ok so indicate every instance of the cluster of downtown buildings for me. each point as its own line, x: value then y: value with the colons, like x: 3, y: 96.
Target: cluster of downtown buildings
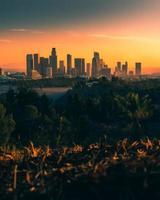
x: 41, y: 67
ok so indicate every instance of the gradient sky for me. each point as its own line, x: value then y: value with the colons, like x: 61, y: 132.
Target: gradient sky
x: 121, y: 30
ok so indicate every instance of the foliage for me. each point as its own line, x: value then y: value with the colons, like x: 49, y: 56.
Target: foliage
x: 93, y: 108
x: 136, y: 110
x: 7, y: 125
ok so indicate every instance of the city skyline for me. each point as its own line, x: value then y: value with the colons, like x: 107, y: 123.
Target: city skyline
x: 38, y: 67
x: 119, y: 29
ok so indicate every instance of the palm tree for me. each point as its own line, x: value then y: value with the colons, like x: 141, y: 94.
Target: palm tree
x: 136, y: 110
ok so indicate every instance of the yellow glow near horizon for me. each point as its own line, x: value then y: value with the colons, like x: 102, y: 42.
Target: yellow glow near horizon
x: 111, y: 48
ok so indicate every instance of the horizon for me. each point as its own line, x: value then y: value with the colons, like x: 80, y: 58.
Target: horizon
x: 124, y: 30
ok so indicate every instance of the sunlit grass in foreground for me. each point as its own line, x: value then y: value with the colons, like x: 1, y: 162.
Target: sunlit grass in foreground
x: 57, y: 172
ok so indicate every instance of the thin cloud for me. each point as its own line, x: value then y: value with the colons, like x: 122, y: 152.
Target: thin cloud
x: 23, y: 30
x: 5, y: 41
x: 19, y: 30
x: 114, y: 37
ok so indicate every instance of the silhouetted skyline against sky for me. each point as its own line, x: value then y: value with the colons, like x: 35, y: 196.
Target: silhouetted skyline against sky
x: 119, y: 29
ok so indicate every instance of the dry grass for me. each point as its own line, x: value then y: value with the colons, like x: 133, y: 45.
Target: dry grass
x: 44, y: 170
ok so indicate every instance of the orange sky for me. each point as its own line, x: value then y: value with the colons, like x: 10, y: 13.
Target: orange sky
x: 133, y: 39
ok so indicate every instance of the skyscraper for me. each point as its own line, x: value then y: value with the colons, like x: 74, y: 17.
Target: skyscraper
x: 138, y: 69
x: 125, y: 69
x: 43, y: 66
x: 69, y: 64
x: 80, y: 66
x: 36, y: 62
x: 119, y: 66
x: 88, y: 70
x: 96, y: 55
x: 53, y: 61
x: 1, y: 71
x: 29, y: 63
x: 61, y: 67
x: 106, y: 72
x: 96, y: 65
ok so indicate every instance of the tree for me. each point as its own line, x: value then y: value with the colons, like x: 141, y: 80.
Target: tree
x: 7, y: 125
x: 136, y: 110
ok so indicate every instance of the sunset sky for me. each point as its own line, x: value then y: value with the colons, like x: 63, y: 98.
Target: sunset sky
x: 121, y: 30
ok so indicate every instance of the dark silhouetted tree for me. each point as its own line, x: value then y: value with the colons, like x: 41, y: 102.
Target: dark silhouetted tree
x: 7, y: 125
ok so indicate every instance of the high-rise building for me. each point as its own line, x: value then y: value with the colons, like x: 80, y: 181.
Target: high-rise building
x: 118, y: 69
x: 44, y: 63
x: 96, y: 68
x: 53, y: 61
x: 36, y: 62
x: 96, y: 55
x: 1, y: 72
x: 73, y: 72
x: 106, y: 72
x: 29, y: 63
x: 131, y: 73
x: 119, y: 66
x: 80, y: 66
x: 138, y: 69
x: 48, y: 71
x: 88, y: 69
x: 125, y: 69
x: 61, y: 67
x: 69, y: 64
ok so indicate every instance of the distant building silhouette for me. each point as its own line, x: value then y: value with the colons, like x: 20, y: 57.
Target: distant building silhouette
x: 131, y: 73
x: 95, y: 65
x: 88, y: 70
x: 119, y: 66
x: 80, y: 66
x: 45, y: 68
x: 61, y: 68
x: 29, y: 63
x: 1, y: 72
x: 125, y: 69
x: 53, y: 61
x: 106, y: 72
x: 69, y: 64
x: 36, y: 62
x: 138, y: 69
x: 48, y: 67
x: 121, y: 70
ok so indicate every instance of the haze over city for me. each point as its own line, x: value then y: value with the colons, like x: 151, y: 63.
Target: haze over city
x: 121, y: 30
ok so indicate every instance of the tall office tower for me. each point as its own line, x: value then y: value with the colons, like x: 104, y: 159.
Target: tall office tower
x: 138, y: 69
x: 131, y: 73
x: 53, y: 61
x: 106, y: 72
x: 29, y: 64
x: 96, y: 55
x: 119, y: 66
x: 88, y: 70
x: 80, y: 66
x: 1, y: 71
x: 43, y: 66
x: 48, y: 71
x: 96, y: 65
x: 125, y: 69
x: 101, y: 66
x: 118, y: 69
x: 36, y: 62
x: 61, y: 67
x: 69, y: 64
